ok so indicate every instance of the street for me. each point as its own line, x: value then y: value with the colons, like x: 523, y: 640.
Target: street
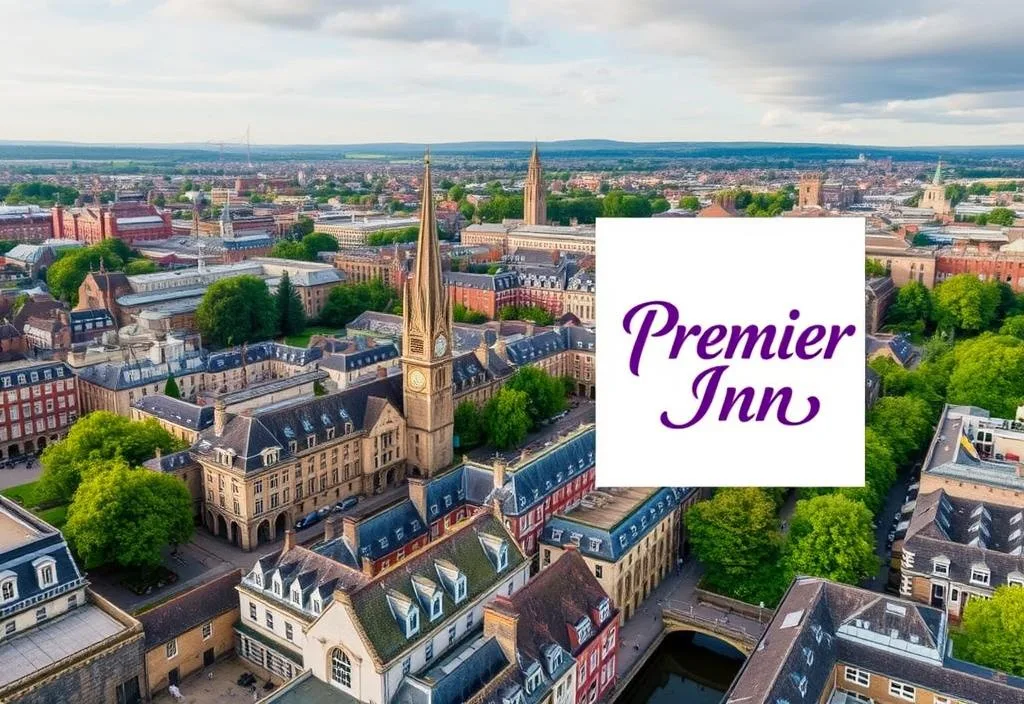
x: 584, y: 412
x: 893, y: 502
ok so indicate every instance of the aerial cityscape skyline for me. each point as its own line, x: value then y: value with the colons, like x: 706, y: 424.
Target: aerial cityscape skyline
x: 333, y: 71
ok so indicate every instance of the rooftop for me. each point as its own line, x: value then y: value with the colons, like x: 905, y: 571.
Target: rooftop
x: 15, y: 532
x: 606, y: 508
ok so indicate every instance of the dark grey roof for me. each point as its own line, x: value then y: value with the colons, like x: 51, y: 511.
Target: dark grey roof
x: 41, y: 541
x: 248, y: 435
x: 307, y: 689
x: 171, y: 462
x: 32, y: 374
x: 176, y: 411
x: 360, y: 359
x: 502, y: 281
x: 389, y: 530
x: 191, y: 609
x: 260, y: 351
x: 531, y: 482
x: 610, y: 544
x: 459, y: 675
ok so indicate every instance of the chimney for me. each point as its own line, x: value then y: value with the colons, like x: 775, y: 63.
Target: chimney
x: 348, y: 531
x: 331, y: 528
x: 289, y: 540
x: 382, y: 372
x: 500, y: 621
x: 529, y: 328
x: 500, y: 349
x: 159, y: 453
x: 219, y: 418
x: 499, y: 472
x: 481, y: 352
x: 418, y: 496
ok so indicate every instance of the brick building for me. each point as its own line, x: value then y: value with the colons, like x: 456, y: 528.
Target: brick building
x: 484, y: 293
x: 38, y: 405
x: 130, y: 222
x: 25, y: 223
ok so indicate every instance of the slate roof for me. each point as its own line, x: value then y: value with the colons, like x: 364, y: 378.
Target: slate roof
x: 176, y: 411
x: 384, y: 532
x: 247, y: 435
x: 170, y: 462
x: 966, y: 534
x: 129, y: 375
x: 261, y: 351
x: 527, y: 484
x: 610, y: 544
x: 458, y: 676
x: 307, y: 689
x: 359, y: 359
x: 463, y: 548
x: 31, y: 374
x: 189, y: 610
x: 502, y: 281
x: 90, y: 323
x: 24, y: 540
x: 898, y: 345
x: 820, y: 624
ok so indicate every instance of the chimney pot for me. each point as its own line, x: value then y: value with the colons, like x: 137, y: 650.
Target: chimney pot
x: 289, y: 539
x: 219, y: 417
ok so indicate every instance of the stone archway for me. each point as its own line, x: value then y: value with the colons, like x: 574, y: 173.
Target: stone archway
x: 281, y: 524
x: 236, y: 534
x: 222, y: 527
x: 13, y: 450
x: 29, y: 447
x: 41, y: 444
x: 263, y: 532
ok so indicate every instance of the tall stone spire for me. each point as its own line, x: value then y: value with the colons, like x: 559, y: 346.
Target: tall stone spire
x: 937, y: 180
x: 535, y: 210
x: 427, y: 350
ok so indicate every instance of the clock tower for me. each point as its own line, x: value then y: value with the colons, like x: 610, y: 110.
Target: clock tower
x: 427, y: 350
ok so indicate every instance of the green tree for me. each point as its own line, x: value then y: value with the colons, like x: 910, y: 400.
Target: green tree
x: 469, y: 425
x: 988, y: 372
x: 1013, y: 326
x: 139, y: 266
x: 457, y: 193
x: 171, y: 387
x: 126, y: 516
x: 904, y: 423
x: 237, y: 310
x: 546, y: 393
x: 691, y: 203
x: 99, y: 436
x: 912, y: 308
x: 318, y: 242
x: 290, y: 315
x: 346, y: 302
x: 964, y: 303
x: 831, y: 537
x: 978, y: 189
x: 735, y: 535
x: 288, y: 249
x: 991, y: 633
x: 72, y: 266
x: 506, y: 418
x: 1001, y: 216
x: 874, y: 268
x: 304, y: 226
x: 659, y: 205
x: 462, y: 314
x: 534, y: 314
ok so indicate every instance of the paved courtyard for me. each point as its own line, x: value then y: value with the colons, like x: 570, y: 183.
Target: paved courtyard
x: 214, y: 685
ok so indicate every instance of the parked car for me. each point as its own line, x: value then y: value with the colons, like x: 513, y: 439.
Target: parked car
x: 310, y: 519
x: 345, y: 504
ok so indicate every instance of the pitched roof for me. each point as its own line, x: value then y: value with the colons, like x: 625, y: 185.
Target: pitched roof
x: 191, y: 609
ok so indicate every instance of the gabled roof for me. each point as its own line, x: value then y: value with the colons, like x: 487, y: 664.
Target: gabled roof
x: 191, y: 609
x: 465, y: 548
x: 458, y: 676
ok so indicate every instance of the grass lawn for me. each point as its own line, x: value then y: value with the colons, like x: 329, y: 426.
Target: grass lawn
x: 302, y: 339
x: 25, y: 494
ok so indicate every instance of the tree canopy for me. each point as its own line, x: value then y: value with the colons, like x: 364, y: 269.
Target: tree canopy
x: 992, y: 631
x: 989, y: 372
x: 126, y: 516
x: 305, y: 249
x: 964, y: 303
x: 507, y: 418
x: 346, y: 302
x: 545, y: 393
x: 831, y: 537
x: 289, y: 313
x: 68, y: 272
x: 236, y: 310
x: 99, y: 436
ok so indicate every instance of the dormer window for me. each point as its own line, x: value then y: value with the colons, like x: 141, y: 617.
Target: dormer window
x: 296, y: 595
x: 436, y: 608
x: 412, y: 622
x: 604, y: 609
x: 276, y: 586
x: 584, y: 629
x: 940, y: 567
x: 46, y: 571
x: 460, y: 589
x: 533, y: 679
x: 502, y: 557
x: 980, y: 575
x: 316, y: 602
x: 8, y: 587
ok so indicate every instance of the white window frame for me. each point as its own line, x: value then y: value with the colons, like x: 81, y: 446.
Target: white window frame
x: 940, y: 568
x: 171, y: 648
x: 207, y: 630
x: 980, y: 571
x: 857, y: 676
x: 902, y: 690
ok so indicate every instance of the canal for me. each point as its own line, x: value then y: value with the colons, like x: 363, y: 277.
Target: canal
x: 686, y: 668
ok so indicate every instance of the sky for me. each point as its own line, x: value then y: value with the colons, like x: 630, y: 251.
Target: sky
x: 912, y: 72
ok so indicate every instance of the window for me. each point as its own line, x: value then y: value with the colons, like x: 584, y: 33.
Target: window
x: 406, y: 666
x: 940, y: 568
x: 598, y: 571
x: 41, y: 613
x: 903, y: 691
x: 288, y: 632
x: 252, y: 611
x: 9, y: 628
x: 9, y: 589
x: 412, y: 623
x: 469, y: 620
x: 270, y: 620
x: 460, y: 588
x: 46, y: 573
x: 435, y: 606
x: 429, y: 653
x: 451, y: 634
x: 72, y: 601
x: 502, y: 557
x: 979, y: 575
x: 171, y: 648
x: 857, y: 677
x: 207, y: 630
x: 341, y: 668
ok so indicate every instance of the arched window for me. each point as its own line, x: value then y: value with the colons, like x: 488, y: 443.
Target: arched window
x: 341, y: 668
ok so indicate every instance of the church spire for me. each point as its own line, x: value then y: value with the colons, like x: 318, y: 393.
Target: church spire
x: 938, y: 174
x: 535, y: 211
x: 428, y: 310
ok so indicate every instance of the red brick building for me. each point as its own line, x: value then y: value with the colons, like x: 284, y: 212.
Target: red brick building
x: 38, y: 404
x: 1007, y: 267
x: 483, y: 293
x: 25, y: 223
x: 562, y: 606
x: 130, y: 222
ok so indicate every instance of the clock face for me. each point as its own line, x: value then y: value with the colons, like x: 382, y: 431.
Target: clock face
x: 440, y: 345
x: 416, y: 379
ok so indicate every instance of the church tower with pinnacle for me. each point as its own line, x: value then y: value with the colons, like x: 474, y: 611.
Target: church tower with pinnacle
x: 427, y: 351
x: 535, y: 208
